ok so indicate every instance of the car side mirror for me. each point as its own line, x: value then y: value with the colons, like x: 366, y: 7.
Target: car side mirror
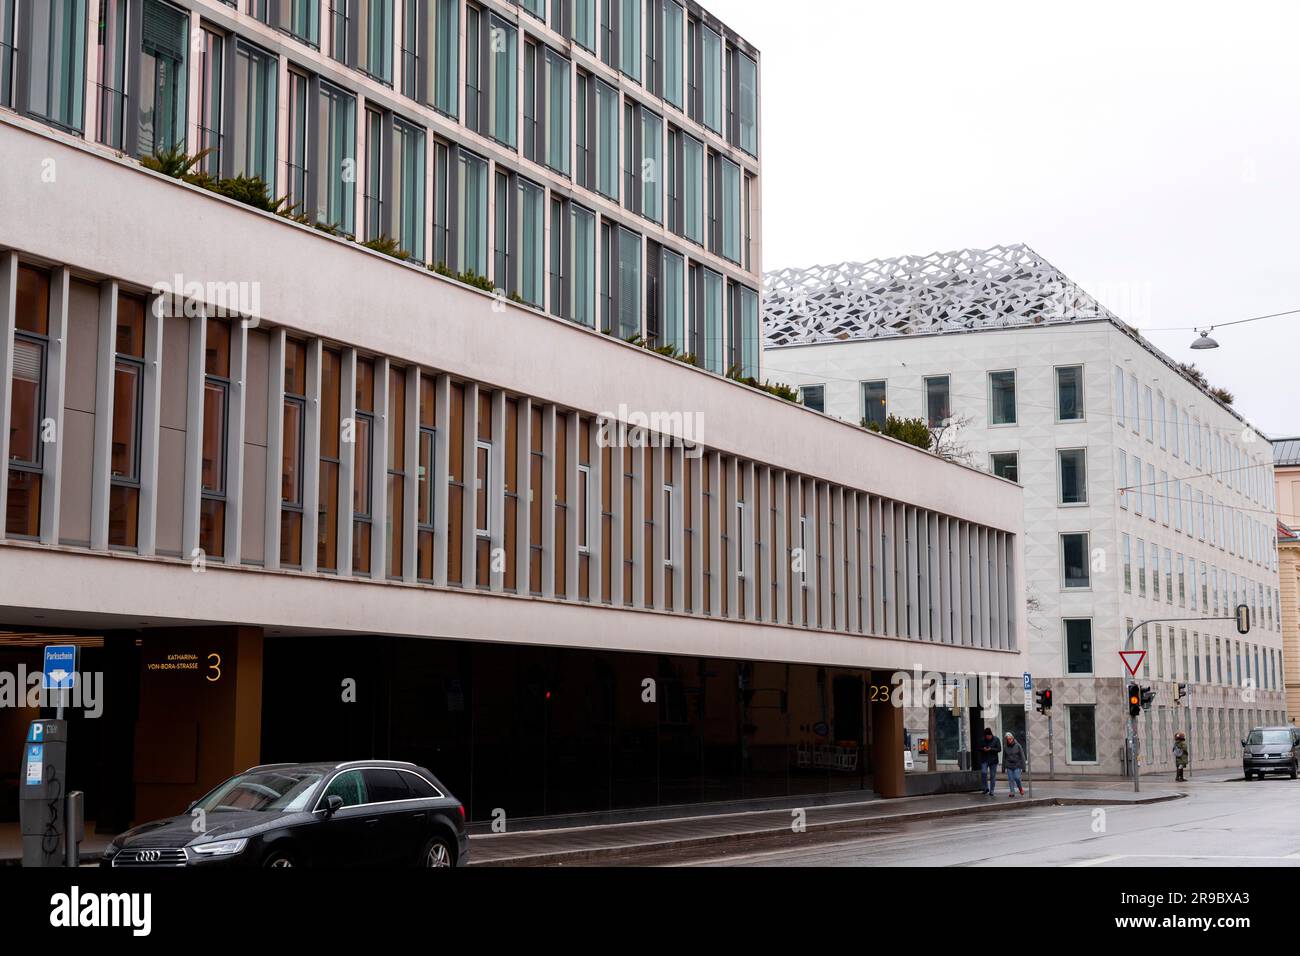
x: 333, y: 804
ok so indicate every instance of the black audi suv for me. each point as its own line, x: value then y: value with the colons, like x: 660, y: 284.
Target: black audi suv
x: 371, y: 813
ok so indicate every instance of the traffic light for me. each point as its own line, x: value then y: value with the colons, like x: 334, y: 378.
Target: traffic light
x: 1243, y: 618
x: 1148, y: 697
x: 1134, y: 700
x: 1043, y: 701
x: 1179, y: 693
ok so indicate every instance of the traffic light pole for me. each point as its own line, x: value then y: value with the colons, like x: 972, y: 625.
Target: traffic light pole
x: 1242, y: 619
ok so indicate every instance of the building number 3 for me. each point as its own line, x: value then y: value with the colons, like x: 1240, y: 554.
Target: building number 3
x: 215, y: 668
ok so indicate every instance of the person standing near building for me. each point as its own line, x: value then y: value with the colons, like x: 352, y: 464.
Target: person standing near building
x: 989, y: 750
x: 1182, y: 756
x: 1013, y: 762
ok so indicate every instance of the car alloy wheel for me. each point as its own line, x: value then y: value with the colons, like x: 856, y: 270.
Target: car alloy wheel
x: 437, y: 855
x: 279, y: 860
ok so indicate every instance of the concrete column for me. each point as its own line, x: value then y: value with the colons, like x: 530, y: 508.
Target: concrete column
x: 714, y: 534
x: 311, y: 444
x: 528, y: 496
x: 56, y: 375
x: 235, y: 419
x: 763, y: 580
x: 595, y: 516
x: 195, y: 381
x: 637, y: 528
x: 888, y: 778
x: 749, y: 540
x: 8, y: 321
x: 826, y: 559
x: 780, y: 612
x: 150, y: 424
x: 618, y: 521
x: 347, y: 458
x: 698, y: 529
x: 469, y: 516
x: 100, y: 478
x: 548, y: 501
x: 659, y: 541
x: 497, y: 490
x: 411, y: 487
x: 379, y: 477
x: 730, y: 522
x: 798, y: 579
x: 274, y: 446
x: 677, y: 533
x: 852, y: 622
x: 570, y: 557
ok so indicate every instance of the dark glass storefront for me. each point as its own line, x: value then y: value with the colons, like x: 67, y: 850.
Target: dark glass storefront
x: 544, y: 731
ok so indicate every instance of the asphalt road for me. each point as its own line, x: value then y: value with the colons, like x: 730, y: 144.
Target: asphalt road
x: 1228, y: 823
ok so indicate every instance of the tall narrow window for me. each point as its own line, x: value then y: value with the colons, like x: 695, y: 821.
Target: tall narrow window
x: 1002, y: 398
x: 742, y: 303
x: 673, y: 300
x: 707, y: 318
x: 557, y: 112
x: 532, y: 226
x: 253, y: 134
x: 165, y: 36
x: 1074, y: 560
x: 9, y: 50
x: 425, y: 461
x: 607, y: 140
x: 502, y: 89
x: 583, y: 268
x: 335, y: 158
x: 584, y: 23
x: 629, y: 283
x: 938, y: 406
x: 210, y: 87
x: 408, y: 188
x: 744, y: 102
x: 331, y: 425
x: 629, y: 28
x: 216, y: 405
x: 875, y: 407
x: 674, y: 18
x: 27, y: 396
x: 471, y: 215
x: 363, y: 451
x: 651, y: 166
x: 724, y: 213
x: 1069, y: 393
x: 304, y: 20
x: 128, y: 392
x: 394, y: 522
x: 55, y: 66
x: 112, y: 83
x: 706, y: 73
x: 291, y: 476
x: 376, y: 154
x: 373, y: 22
x: 1072, y: 470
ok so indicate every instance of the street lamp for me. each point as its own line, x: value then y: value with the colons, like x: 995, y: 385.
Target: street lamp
x: 1205, y: 342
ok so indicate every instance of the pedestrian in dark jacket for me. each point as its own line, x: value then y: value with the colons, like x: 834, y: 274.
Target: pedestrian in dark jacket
x: 1013, y: 762
x: 989, y: 750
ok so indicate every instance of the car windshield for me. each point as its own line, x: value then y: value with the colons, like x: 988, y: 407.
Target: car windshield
x: 1268, y: 738
x: 268, y: 791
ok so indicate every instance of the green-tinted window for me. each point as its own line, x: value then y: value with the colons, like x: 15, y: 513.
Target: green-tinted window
x: 532, y: 209
x: 56, y: 63
x: 408, y: 188
x: 557, y: 112
x: 692, y: 189
x: 652, y: 161
x: 630, y: 38
x: 673, y: 300
x: 729, y: 211
x: 253, y: 136
x: 629, y: 284
x: 710, y: 81
x: 583, y: 254
x: 304, y: 20
x: 471, y: 215
x: 502, y: 57
x: 374, y: 26
x: 674, y: 20
x: 584, y: 23
x: 607, y: 140
x: 746, y: 91
x: 336, y: 136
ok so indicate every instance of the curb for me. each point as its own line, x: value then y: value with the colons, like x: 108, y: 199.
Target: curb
x: 625, y: 851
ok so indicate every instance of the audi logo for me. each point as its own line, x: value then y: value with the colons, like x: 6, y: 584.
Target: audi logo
x: 149, y: 856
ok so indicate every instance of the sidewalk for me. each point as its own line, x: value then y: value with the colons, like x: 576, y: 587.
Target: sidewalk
x: 615, y: 842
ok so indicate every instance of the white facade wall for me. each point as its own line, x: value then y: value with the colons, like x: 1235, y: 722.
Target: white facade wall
x: 1108, y: 516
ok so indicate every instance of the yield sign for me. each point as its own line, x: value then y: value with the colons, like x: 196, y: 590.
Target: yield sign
x: 1133, y: 660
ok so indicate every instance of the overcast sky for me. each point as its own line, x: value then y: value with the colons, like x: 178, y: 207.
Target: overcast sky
x: 1150, y: 150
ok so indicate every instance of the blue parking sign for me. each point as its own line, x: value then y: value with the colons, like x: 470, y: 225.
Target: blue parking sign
x: 1029, y: 681
x: 60, y: 666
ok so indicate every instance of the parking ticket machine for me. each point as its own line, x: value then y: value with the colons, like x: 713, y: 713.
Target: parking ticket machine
x: 42, y: 789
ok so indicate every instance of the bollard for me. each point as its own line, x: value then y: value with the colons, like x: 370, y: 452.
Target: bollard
x: 75, y: 828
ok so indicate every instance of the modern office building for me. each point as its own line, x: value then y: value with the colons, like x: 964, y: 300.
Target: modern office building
x: 1147, y: 499
x: 1286, y: 465
x: 454, y: 496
